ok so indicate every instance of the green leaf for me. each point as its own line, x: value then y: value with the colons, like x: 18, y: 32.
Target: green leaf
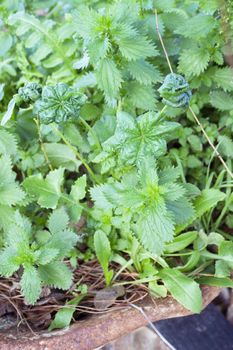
x: 58, y: 221
x: 157, y: 290
x: 9, y: 113
x: 225, y: 146
x: 140, y: 95
x: 6, y: 42
x: 183, y: 289
x: 7, y: 262
x: 135, y: 139
x: 108, y: 78
x: 78, y: 190
x: 207, y: 200
x: 223, y: 77
x: 181, y: 242
x: 47, y: 255
x: 8, y: 144
x: 63, y: 242
x: 46, y: 191
x: 30, y: 284
x: 215, y: 281
x: 6, y: 216
x: 155, y: 228
x: 222, y: 269
x: 72, y: 201
x: 64, y: 316
x: 103, y: 253
x: 59, y: 103
x: 144, y: 72
x: 56, y: 274
x: 193, y: 62
x: 225, y: 253
x: 197, y: 27
x: 136, y: 47
x: 61, y: 155
x: 221, y: 100
x: 10, y: 192
x: 99, y: 197
x: 182, y: 210
x: 40, y: 36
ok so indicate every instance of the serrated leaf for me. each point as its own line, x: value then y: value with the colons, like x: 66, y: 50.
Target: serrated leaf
x: 6, y: 216
x: 197, y: 27
x: 136, y: 47
x: 47, y: 255
x: 140, y: 95
x: 144, y: 72
x: 63, y: 241
x: 46, y: 191
x: 183, y: 289
x: 182, y: 210
x: 30, y: 284
x: 56, y: 274
x: 98, y: 195
x: 58, y: 221
x: 193, y: 62
x: 221, y: 100
x: 225, y: 145
x: 78, y: 190
x: 8, y: 144
x: 155, y: 228
x: 10, y: 192
x: 7, y: 262
x: 223, y: 77
x: 108, y: 78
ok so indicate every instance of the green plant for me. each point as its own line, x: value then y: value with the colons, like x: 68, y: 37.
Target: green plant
x: 96, y: 132
x: 41, y: 257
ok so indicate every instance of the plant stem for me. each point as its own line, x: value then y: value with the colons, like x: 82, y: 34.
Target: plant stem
x: 36, y: 120
x: 161, y: 41
x: 87, y: 126
x: 79, y: 156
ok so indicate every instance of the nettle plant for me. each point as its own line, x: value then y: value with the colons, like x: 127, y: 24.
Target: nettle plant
x: 90, y: 134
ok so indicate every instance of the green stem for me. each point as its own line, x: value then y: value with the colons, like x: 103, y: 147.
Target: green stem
x: 79, y: 156
x: 36, y: 120
x: 87, y: 126
x: 179, y: 254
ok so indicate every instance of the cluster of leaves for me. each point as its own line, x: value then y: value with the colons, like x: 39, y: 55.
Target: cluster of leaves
x: 84, y: 132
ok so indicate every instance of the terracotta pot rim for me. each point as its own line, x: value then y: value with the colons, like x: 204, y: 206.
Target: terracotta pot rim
x: 96, y: 331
